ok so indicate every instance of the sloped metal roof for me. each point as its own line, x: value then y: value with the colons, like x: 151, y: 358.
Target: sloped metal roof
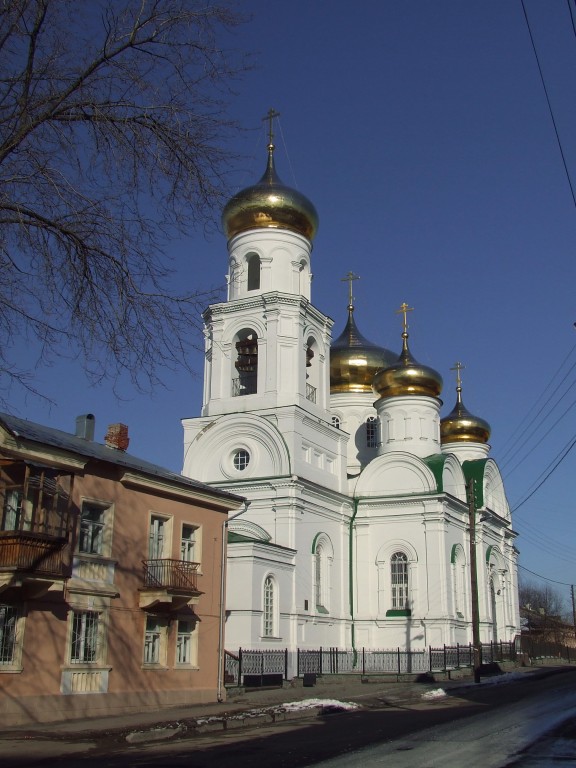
x: 38, y: 433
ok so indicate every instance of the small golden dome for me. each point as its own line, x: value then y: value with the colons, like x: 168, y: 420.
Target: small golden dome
x: 270, y: 204
x: 407, y: 376
x: 354, y: 360
x: 460, y: 426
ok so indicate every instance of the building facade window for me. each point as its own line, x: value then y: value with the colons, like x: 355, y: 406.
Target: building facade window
x: 371, y: 432
x: 187, y: 643
x: 92, y: 523
x: 12, y: 510
x: 241, y: 459
x: 8, y: 625
x: 85, y: 645
x: 336, y: 422
x: 269, y: 612
x: 188, y: 544
x: 253, y: 272
x: 153, y: 641
x: 158, y: 538
x: 399, y: 581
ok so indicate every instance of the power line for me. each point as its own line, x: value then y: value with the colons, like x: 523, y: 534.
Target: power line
x: 544, y: 578
x: 549, y: 104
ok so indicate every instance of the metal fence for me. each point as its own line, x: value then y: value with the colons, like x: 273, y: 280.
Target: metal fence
x: 367, y: 661
x: 269, y: 667
x: 255, y: 667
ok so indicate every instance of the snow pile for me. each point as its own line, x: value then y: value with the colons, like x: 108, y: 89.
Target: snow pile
x: 292, y: 706
x: 437, y: 693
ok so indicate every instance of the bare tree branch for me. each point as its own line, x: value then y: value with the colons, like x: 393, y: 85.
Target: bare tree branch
x: 113, y: 138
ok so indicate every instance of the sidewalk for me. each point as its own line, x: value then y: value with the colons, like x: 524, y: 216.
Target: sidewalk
x: 22, y: 745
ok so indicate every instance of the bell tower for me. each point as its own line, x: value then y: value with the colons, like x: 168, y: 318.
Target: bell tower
x: 267, y: 346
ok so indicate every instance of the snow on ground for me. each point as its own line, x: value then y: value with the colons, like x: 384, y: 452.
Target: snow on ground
x: 292, y: 706
x: 437, y: 693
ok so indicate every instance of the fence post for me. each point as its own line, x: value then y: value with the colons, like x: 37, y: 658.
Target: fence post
x: 398, y: 656
x: 320, y: 665
x: 457, y: 655
x: 363, y: 660
x: 239, y: 666
x: 429, y: 658
x: 286, y: 664
x: 445, y: 662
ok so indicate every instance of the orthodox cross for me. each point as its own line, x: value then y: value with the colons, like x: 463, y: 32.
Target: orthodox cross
x: 404, y: 309
x: 458, y: 367
x: 270, y: 117
x: 350, y: 277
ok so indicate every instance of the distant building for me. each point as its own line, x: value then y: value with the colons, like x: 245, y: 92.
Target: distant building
x: 358, y: 531
x: 110, y: 577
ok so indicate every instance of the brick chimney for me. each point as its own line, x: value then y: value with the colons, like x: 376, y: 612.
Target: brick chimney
x: 117, y: 437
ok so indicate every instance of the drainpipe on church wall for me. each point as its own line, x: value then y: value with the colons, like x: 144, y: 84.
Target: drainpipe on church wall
x: 223, y: 559
x: 356, y: 503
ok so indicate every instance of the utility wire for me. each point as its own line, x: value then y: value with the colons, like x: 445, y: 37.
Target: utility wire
x: 552, y: 581
x: 549, y: 104
x: 554, y: 468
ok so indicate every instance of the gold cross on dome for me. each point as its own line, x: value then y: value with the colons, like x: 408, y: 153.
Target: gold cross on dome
x: 458, y: 367
x: 350, y: 277
x: 270, y: 117
x: 404, y: 309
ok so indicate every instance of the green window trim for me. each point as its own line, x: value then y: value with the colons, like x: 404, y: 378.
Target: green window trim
x: 399, y: 612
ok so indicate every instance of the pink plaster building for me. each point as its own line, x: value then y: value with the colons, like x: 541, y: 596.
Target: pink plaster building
x: 111, y: 577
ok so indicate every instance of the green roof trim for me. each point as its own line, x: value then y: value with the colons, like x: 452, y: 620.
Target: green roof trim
x: 474, y: 470
x: 236, y: 538
x: 435, y: 464
x: 453, y: 553
x: 488, y: 553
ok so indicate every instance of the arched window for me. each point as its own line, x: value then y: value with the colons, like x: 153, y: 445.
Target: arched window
x: 247, y: 365
x: 311, y: 371
x: 371, y: 432
x: 399, y: 581
x: 269, y: 608
x: 336, y: 422
x: 253, y: 272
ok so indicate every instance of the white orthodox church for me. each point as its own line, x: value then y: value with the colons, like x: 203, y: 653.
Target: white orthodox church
x: 361, y: 497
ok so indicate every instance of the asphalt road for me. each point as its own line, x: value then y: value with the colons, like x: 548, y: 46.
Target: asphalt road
x: 309, y: 741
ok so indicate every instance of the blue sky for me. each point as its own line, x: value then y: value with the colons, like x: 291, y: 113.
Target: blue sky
x: 421, y: 132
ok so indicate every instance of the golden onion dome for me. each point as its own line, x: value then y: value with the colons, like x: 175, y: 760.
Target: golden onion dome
x: 270, y: 204
x: 354, y: 360
x: 460, y: 426
x: 407, y: 376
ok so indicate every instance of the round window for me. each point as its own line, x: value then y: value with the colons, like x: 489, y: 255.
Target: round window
x: 241, y: 460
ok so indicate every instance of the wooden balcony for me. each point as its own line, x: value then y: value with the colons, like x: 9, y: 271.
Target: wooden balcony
x: 169, y: 584
x: 36, y: 560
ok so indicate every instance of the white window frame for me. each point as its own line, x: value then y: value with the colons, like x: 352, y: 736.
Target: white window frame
x: 399, y: 581
x: 88, y: 624
x: 187, y: 643
x: 166, y: 539
x: 269, y: 607
x: 106, y: 523
x: 154, y: 650
x: 371, y: 432
x: 196, y: 543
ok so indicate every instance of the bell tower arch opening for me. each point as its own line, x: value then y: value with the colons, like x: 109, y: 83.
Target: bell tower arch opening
x: 245, y: 374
